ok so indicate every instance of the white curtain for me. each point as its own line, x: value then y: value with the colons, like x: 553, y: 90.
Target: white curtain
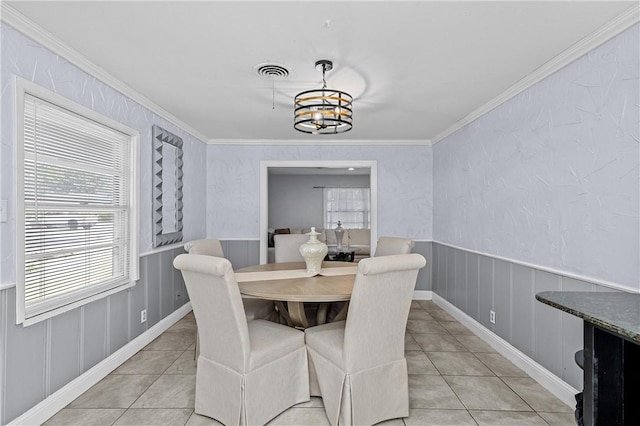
x: 350, y: 206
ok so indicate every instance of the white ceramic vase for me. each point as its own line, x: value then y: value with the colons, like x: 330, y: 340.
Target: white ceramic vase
x: 313, y: 252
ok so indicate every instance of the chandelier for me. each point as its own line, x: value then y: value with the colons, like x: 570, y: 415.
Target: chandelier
x: 323, y: 111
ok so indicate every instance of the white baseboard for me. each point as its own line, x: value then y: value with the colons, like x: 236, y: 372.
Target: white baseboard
x: 565, y: 392
x: 61, y: 398
x: 422, y: 295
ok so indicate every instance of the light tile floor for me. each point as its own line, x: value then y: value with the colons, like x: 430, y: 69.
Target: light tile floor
x: 455, y: 378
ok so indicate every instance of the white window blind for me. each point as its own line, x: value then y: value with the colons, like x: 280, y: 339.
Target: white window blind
x: 78, y: 194
x: 350, y: 206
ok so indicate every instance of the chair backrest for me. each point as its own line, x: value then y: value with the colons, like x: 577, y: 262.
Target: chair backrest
x: 217, y: 306
x: 287, y: 247
x: 379, y: 309
x: 392, y: 245
x: 207, y: 246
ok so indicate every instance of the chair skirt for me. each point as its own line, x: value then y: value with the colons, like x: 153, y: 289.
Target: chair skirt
x: 365, y: 397
x: 253, y: 398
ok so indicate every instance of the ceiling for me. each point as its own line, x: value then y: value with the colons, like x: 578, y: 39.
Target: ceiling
x: 414, y: 68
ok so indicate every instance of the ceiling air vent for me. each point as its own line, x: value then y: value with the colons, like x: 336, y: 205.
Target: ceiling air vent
x: 272, y: 71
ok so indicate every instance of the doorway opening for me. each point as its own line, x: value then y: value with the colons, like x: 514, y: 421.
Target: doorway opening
x: 296, y: 188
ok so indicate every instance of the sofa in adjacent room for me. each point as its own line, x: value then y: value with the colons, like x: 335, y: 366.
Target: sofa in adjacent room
x: 360, y: 238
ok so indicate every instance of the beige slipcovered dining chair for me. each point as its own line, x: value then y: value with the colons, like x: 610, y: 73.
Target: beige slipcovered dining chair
x: 248, y: 371
x: 392, y: 245
x: 386, y: 246
x: 359, y: 363
x: 287, y: 247
x: 206, y: 246
x: 253, y: 308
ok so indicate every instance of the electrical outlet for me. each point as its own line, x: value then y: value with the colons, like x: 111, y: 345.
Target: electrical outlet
x: 492, y: 317
x: 143, y: 316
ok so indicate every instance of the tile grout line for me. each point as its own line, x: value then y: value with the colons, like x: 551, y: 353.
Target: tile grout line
x: 159, y: 376
x: 494, y: 375
x: 420, y: 350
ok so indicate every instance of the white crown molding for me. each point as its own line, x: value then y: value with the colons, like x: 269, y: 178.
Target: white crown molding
x: 581, y: 48
x: 18, y: 21
x: 321, y: 140
x: 21, y: 23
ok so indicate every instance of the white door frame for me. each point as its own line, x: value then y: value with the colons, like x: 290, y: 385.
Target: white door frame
x: 264, y: 194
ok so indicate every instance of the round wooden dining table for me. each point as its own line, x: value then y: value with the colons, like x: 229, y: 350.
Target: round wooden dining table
x: 295, y: 290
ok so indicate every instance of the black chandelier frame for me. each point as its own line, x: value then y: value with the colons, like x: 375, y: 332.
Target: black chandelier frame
x: 323, y: 111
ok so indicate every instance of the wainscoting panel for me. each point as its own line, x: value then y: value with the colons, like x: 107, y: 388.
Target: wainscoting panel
x: 523, y: 301
x: 437, y: 278
x: 547, y: 349
x: 460, y: 277
x: 152, y: 275
x: 472, y: 285
x: 94, y: 342
x: 425, y: 275
x: 118, y: 320
x: 24, y: 362
x: 449, y: 273
x: 242, y: 253
x: 3, y: 352
x: 166, y: 282
x: 137, y: 302
x: 43, y: 357
x: 502, y: 297
x: 485, y: 290
x: 179, y: 290
x: 477, y: 283
x: 64, y: 344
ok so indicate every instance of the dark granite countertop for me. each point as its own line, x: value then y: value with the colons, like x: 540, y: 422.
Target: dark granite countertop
x: 615, y: 312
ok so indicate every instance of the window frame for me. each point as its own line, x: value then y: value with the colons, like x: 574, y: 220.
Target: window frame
x: 22, y: 88
x: 326, y: 224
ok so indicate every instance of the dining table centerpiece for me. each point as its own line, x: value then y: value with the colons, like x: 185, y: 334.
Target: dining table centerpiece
x: 313, y: 252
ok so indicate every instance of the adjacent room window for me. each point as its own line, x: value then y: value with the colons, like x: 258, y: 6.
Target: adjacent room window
x: 350, y: 206
x: 76, y: 204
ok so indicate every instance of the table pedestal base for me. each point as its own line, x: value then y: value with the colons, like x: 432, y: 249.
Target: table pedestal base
x: 297, y: 314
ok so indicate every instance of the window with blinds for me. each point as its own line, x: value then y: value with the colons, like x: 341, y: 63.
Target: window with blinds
x: 350, y: 206
x: 77, y: 196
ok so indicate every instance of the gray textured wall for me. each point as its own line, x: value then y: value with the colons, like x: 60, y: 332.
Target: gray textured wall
x: 295, y: 203
x: 551, y: 177
x: 25, y: 58
x: 547, y: 179
x: 42, y: 358
x: 38, y: 360
x: 233, y: 185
